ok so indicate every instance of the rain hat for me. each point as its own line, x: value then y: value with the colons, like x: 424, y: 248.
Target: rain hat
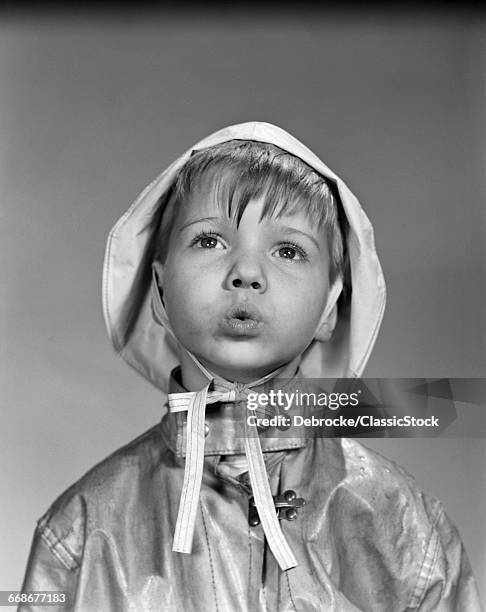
x: 129, y: 288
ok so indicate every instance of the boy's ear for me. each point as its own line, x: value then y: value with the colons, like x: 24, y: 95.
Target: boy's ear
x: 328, y: 319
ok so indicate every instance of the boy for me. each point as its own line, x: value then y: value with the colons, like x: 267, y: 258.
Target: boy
x: 227, y: 272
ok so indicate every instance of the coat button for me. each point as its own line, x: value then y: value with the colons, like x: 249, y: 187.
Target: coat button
x: 206, y: 430
x: 254, y: 521
x: 289, y: 496
x: 291, y: 514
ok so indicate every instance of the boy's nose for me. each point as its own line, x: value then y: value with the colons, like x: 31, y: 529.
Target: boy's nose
x: 246, y: 273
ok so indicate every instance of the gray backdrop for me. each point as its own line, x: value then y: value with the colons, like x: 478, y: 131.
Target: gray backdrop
x: 92, y: 108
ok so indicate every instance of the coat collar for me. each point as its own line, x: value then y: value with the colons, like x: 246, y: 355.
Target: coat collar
x: 225, y: 429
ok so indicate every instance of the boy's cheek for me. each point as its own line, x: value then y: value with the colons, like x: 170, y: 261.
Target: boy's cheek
x: 190, y: 315
x: 181, y: 287
x: 299, y: 307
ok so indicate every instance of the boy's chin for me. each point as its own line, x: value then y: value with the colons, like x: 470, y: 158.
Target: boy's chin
x: 244, y: 361
x: 241, y: 370
x: 241, y: 374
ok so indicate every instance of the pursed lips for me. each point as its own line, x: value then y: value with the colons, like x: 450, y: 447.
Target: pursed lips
x: 242, y: 319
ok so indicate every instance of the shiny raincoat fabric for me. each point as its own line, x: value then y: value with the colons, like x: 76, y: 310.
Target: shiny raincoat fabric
x: 367, y: 539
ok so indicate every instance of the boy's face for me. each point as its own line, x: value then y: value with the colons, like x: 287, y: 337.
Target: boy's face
x: 248, y: 299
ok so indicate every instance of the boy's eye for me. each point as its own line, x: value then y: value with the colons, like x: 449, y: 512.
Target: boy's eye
x: 207, y: 241
x: 287, y: 252
x: 292, y: 253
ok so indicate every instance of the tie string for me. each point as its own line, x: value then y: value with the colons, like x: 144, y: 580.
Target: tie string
x: 195, y: 404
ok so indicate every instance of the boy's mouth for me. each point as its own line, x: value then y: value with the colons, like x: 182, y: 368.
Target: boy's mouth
x: 242, y: 320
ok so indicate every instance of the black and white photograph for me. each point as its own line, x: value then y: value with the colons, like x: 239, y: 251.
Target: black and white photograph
x: 242, y: 316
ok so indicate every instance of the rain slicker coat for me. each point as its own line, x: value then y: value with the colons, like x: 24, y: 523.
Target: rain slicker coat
x: 367, y: 539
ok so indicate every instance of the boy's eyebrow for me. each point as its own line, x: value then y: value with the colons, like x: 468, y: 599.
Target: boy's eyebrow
x: 189, y: 223
x: 292, y: 230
